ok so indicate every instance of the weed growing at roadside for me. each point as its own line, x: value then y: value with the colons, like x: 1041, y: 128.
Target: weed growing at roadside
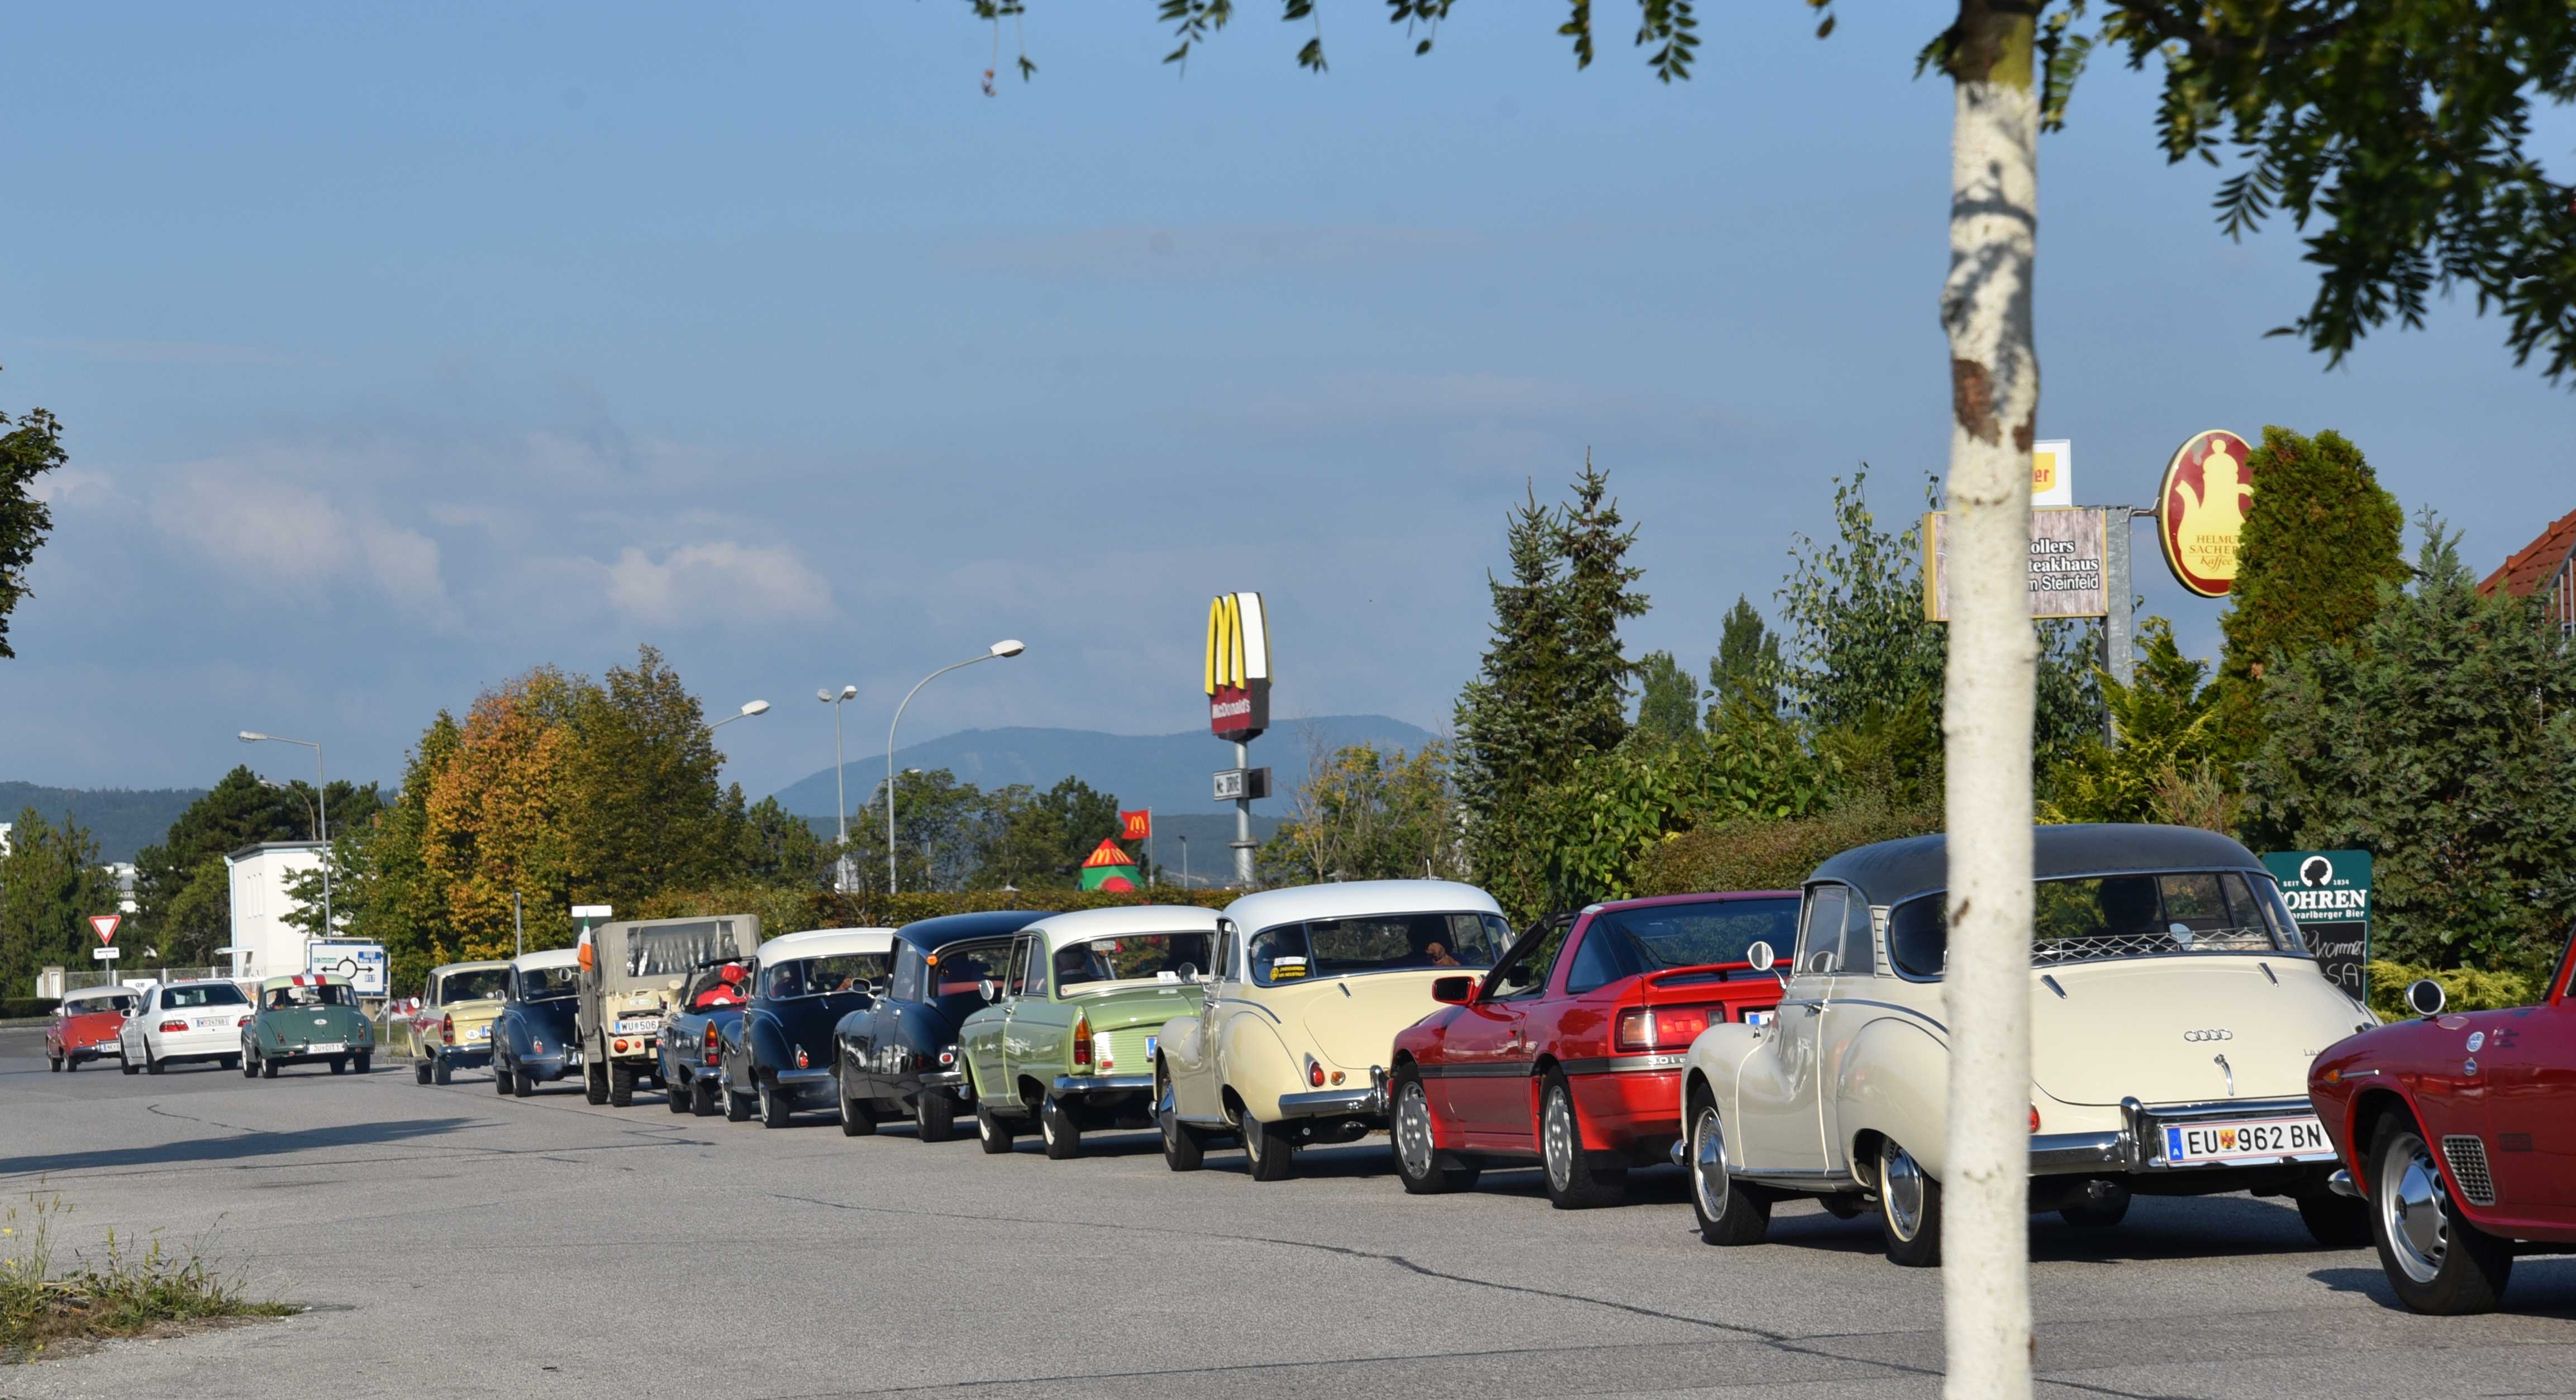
x: 128, y: 1289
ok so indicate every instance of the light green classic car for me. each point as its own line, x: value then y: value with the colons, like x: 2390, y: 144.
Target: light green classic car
x: 1069, y: 1036
x: 308, y: 1018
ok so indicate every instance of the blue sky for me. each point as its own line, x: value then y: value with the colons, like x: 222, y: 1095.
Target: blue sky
x: 403, y: 348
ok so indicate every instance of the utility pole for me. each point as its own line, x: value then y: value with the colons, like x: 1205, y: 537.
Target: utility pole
x: 1242, y: 842
x: 518, y: 928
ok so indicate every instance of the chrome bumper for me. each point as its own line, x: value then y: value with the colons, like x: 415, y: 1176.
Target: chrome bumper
x: 2066, y: 1154
x: 2145, y: 1130
x: 1367, y: 1102
x: 943, y: 1079
x: 1102, y: 1083
x: 804, y: 1083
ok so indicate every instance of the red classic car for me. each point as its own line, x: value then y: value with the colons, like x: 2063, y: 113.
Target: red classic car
x: 1569, y: 1053
x: 2460, y: 1131
x: 85, y: 1026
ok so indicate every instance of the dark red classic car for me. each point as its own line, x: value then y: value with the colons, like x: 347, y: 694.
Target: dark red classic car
x: 1569, y: 1053
x: 2459, y: 1129
x: 86, y: 1025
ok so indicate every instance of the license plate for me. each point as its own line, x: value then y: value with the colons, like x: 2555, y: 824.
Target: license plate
x: 2259, y: 1140
x: 327, y: 1047
x: 1757, y: 1018
x: 479, y: 1033
x: 1149, y: 1048
x: 640, y: 1025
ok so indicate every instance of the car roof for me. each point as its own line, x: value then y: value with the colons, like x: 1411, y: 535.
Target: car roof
x: 551, y: 957
x: 1356, y: 898
x: 445, y: 968
x: 826, y: 942
x: 1706, y: 897
x: 95, y: 993
x: 1891, y: 872
x: 931, y: 935
x: 1123, y: 921
x: 303, y: 979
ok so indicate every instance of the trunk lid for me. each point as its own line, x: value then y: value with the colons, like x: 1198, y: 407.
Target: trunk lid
x: 1118, y: 1006
x: 2155, y: 1029
x: 1351, y: 1021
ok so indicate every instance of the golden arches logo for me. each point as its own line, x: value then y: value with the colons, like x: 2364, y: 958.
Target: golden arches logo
x: 1238, y: 642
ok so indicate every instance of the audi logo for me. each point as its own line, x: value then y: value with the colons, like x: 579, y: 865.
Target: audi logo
x: 2204, y: 1037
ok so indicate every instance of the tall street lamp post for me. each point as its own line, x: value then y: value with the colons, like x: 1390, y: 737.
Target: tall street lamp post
x: 1005, y: 647
x: 840, y: 793
x: 755, y: 707
x: 321, y: 814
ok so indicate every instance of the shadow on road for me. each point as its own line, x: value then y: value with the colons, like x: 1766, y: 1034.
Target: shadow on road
x: 235, y: 1147
x: 2539, y: 1287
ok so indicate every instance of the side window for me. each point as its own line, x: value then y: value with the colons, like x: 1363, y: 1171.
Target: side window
x: 1229, y: 956
x: 907, y: 974
x: 1820, y: 941
x: 1598, y: 961
x: 1015, y: 976
x: 1524, y: 971
x: 1860, y: 952
x: 1034, y: 973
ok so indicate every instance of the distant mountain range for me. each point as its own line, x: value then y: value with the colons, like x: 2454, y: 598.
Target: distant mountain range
x: 124, y: 820
x: 1167, y: 772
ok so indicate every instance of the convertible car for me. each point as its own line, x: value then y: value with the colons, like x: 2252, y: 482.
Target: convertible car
x: 1570, y: 1053
x: 1069, y: 1038
x: 898, y: 1053
x: 2459, y: 1131
x: 535, y: 1042
x: 86, y: 1025
x: 308, y: 1018
x: 2174, y: 1011
x: 777, y: 1058
x: 1311, y: 986
x: 708, y: 1006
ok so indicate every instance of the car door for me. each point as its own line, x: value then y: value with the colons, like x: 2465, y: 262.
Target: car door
x: 1026, y: 1040
x: 982, y: 1036
x: 2530, y: 1061
x: 1847, y: 1007
x: 1489, y: 1046
x: 1778, y: 1099
x: 129, y: 1037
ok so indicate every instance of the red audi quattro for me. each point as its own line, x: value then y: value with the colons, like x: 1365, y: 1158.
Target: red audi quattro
x: 1568, y: 1054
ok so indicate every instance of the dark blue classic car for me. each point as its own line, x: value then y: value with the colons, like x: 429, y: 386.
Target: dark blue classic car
x: 534, y: 1041
x: 898, y: 1054
x: 777, y: 1059
x: 707, y: 1009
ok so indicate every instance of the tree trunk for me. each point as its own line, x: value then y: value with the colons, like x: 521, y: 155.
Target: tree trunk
x: 1986, y: 715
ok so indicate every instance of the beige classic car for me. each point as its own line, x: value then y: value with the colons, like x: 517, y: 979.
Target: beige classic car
x: 448, y: 1027
x: 2174, y: 1013
x: 1291, y: 1044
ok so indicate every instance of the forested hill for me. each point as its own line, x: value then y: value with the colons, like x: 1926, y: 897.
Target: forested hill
x: 124, y: 820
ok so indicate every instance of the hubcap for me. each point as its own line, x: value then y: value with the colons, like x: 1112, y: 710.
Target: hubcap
x: 1413, y: 1131
x: 1708, y: 1163
x: 2414, y: 1209
x: 1559, y: 1132
x: 1900, y: 1186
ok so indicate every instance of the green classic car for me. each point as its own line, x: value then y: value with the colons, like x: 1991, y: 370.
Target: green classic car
x: 1069, y: 1036
x: 309, y: 1017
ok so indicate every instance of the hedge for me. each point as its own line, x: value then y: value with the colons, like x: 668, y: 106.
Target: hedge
x: 787, y: 910
x: 2463, y: 988
x: 21, y: 1008
x: 1756, y: 854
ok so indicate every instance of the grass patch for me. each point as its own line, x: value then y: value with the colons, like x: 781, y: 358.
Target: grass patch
x: 131, y: 1288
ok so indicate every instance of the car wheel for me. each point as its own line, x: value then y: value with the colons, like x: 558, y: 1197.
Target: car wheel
x: 1417, y: 1147
x: 738, y: 1107
x: 857, y: 1119
x: 2336, y: 1222
x: 594, y: 1083
x: 500, y: 1078
x: 1183, y: 1151
x: 2436, y: 1260
x: 126, y: 1064
x: 774, y: 1108
x: 364, y: 1062
x: 523, y: 1083
x: 232, y: 1062
x: 438, y: 1071
x: 54, y: 1063
x: 1056, y: 1128
x: 1573, y: 1183
x: 150, y: 1065
x: 2105, y: 1204
x: 420, y: 1072
x: 934, y: 1115
x: 621, y: 1086
x: 339, y: 1064
x: 1909, y: 1208
x: 71, y: 1066
x: 1267, y: 1148
x: 676, y: 1095
x: 250, y: 1066
x: 994, y: 1134
x: 1729, y: 1212
x: 267, y: 1068
x: 702, y: 1097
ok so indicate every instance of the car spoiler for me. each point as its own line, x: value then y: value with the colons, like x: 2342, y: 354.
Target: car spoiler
x: 1704, y: 972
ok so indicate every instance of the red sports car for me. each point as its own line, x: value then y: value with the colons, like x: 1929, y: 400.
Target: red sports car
x: 2460, y: 1130
x: 85, y: 1026
x: 1568, y: 1054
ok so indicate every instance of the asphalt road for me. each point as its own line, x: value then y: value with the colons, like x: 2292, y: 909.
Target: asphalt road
x: 456, y: 1242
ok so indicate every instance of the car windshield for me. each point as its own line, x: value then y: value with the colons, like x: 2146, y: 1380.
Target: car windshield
x: 548, y: 983
x: 2099, y: 917
x: 327, y: 994
x: 100, y: 1001
x: 709, y: 988
x: 474, y: 984
x: 1130, y: 957
x: 1717, y: 931
x: 203, y: 994
x: 958, y: 973
x: 814, y: 977
x: 1376, y: 943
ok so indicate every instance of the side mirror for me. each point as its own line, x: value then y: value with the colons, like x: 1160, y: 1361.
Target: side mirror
x: 1453, y: 991
x: 1761, y: 956
x: 991, y: 991
x: 2426, y: 997
x: 864, y: 987
x: 1189, y: 972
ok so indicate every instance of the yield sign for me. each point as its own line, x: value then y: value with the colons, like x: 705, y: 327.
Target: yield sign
x: 106, y: 926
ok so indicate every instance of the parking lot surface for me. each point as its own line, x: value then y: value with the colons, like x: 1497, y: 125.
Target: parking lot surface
x: 452, y: 1241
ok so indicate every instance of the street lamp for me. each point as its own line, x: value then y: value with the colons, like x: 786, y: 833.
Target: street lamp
x: 1005, y: 647
x: 274, y: 785
x: 840, y: 793
x: 756, y: 707
x: 321, y: 813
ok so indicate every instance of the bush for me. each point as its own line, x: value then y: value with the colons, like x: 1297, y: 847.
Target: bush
x: 787, y: 911
x: 20, y: 1008
x: 1772, y: 855
x: 2463, y: 988
x: 129, y: 1288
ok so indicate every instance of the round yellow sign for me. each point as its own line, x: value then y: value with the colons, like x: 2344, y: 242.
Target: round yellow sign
x: 2200, y: 513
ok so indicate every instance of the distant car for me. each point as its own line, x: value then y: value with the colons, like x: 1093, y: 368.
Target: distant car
x: 2459, y: 1130
x: 449, y: 1027
x: 1569, y: 1054
x: 778, y: 1058
x: 183, y: 1021
x: 898, y: 1054
x: 86, y: 1026
x: 308, y: 1018
x: 1310, y: 988
x: 692, y: 1055
x: 1069, y: 1039
x: 534, y: 1041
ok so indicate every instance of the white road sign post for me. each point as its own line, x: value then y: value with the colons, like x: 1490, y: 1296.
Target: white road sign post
x: 107, y: 954
x: 105, y: 925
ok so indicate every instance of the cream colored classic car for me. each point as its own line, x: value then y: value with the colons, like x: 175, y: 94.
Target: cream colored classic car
x: 2174, y: 1012
x: 1310, y: 986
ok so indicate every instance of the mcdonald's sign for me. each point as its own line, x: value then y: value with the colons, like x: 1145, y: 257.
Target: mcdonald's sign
x: 1238, y: 666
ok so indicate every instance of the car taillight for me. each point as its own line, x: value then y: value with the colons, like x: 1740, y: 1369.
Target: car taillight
x: 244, y: 1021
x: 1081, y: 1040
x: 2034, y: 1118
x: 713, y: 1050
x: 801, y: 1062
x: 1661, y: 1027
x: 1314, y: 1072
x: 174, y: 1026
x: 447, y: 1028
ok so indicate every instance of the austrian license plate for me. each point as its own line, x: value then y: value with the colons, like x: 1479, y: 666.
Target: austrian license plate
x: 2258, y: 1140
x: 479, y: 1033
x: 1757, y: 1018
x: 1149, y: 1049
x: 638, y: 1025
x: 327, y: 1047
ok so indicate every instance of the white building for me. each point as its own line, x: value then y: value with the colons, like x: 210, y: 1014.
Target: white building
x: 264, y: 943
x: 123, y: 873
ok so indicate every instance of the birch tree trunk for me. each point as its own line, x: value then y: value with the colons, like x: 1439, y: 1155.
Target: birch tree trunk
x: 1986, y: 714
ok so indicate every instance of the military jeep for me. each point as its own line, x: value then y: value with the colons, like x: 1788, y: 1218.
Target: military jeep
x: 631, y: 972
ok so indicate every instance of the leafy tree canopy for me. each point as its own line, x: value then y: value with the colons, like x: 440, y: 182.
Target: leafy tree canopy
x: 29, y: 448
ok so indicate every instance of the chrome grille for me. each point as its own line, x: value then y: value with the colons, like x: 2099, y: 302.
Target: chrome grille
x: 2468, y: 1158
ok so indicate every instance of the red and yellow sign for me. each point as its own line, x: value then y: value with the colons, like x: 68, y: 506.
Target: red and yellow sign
x: 1238, y: 667
x: 1109, y: 868
x: 2200, y: 512
x: 1136, y: 826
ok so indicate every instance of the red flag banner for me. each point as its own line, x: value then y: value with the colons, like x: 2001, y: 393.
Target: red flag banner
x: 1136, y: 826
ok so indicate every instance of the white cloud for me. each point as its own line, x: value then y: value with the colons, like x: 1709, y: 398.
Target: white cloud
x: 719, y: 580
x: 256, y: 527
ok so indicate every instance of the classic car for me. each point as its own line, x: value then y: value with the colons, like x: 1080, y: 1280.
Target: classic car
x: 629, y: 973
x: 449, y: 1026
x: 2459, y: 1132
x: 777, y: 1059
x: 534, y: 1041
x: 1069, y: 1038
x: 1569, y: 1053
x: 709, y: 1003
x: 86, y: 1026
x: 308, y: 1018
x: 183, y: 1021
x: 898, y: 1053
x: 1310, y: 987
x: 2174, y: 1010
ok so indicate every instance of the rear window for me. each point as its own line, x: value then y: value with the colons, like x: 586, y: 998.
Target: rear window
x: 823, y: 976
x: 1130, y: 957
x: 1376, y: 943
x: 2102, y: 917
x: 328, y: 994
x: 548, y: 983
x: 100, y: 1001
x: 204, y: 994
x: 1664, y: 936
x: 474, y: 984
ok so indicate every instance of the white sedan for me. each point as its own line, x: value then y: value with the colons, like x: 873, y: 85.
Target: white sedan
x: 181, y: 1021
